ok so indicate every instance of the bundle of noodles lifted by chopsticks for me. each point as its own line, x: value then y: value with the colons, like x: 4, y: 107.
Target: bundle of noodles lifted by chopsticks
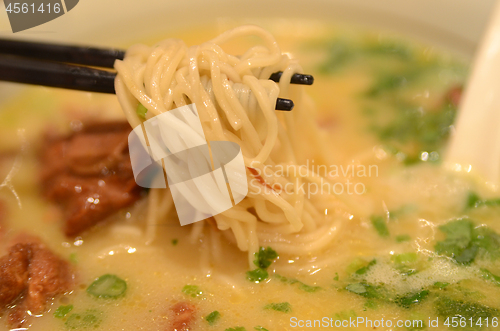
x: 235, y: 101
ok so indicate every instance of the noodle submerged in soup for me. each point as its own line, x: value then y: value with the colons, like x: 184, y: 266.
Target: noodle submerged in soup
x: 413, y: 244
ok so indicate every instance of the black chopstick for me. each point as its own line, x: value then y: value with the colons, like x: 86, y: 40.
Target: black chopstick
x: 284, y: 104
x: 299, y: 79
x: 28, y: 71
x: 89, y: 56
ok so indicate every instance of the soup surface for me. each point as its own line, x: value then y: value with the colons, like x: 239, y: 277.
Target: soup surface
x: 416, y: 247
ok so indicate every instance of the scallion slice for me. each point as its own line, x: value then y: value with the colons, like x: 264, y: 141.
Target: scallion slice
x: 108, y: 287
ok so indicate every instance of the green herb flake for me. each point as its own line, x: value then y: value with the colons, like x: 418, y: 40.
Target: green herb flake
x: 192, y: 290
x: 357, y: 288
x: 366, y: 290
x: 487, y: 242
x: 257, y: 275
x: 175, y: 242
x: 62, y: 311
x: 107, y: 287
x: 441, y: 285
x: 411, y: 299
x: 260, y: 328
x: 380, y: 226
x: 448, y: 307
x: 264, y: 257
x: 336, y: 278
x: 403, y: 238
x: 236, y: 328
x: 283, y: 307
x: 387, y: 82
x: 404, y: 271
x: 364, y: 270
x: 141, y: 111
x: 284, y: 279
x: 463, y: 242
x: 90, y: 319
x: 309, y: 288
x: 302, y: 286
x: 404, y: 258
x: 213, y: 317
x: 488, y: 275
x: 370, y: 304
x: 474, y: 201
x: 458, y: 241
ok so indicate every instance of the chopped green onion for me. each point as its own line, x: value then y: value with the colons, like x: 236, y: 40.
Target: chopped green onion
x: 380, y: 225
x: 91, y: 319
x: 441, y: 285
x: 404, y: 258
x: 364, y: 270
x: 464, y: 242
x: 283, y: 307
x: 264, y: 257
x: 309, y: 288
x: 357, y: 288
x: 402, y: 238
x: 257, y: 275
x: 141, y: 111
x: 302, y: 286
x: 474, y: 201
x: 63, y: 311
x: 412, y: 299
x: 236, y: 328
x: 192, y: 290
x: 108, y: 287
x: 488, y: 275
x: 366, y: 290
x: 370, y: 304
x: 448, y: 307
x: 213, y: 317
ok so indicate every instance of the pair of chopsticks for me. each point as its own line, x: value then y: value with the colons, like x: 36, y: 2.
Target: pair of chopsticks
x: 69, y: 67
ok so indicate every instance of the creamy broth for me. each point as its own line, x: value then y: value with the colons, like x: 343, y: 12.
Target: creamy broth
x: 382, y: 106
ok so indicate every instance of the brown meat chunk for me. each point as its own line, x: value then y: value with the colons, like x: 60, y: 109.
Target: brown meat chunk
x: 89, y: 174
x: 48, y: 276
x: 183, y: 316
x: 30, y: 275
x: 14, y: 274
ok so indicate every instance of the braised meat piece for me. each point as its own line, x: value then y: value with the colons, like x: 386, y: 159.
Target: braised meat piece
x: 89, y: 174
x: 48, y: 276
x: 183, y: 316
x: 30, y: 275
x: 14, y: 274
